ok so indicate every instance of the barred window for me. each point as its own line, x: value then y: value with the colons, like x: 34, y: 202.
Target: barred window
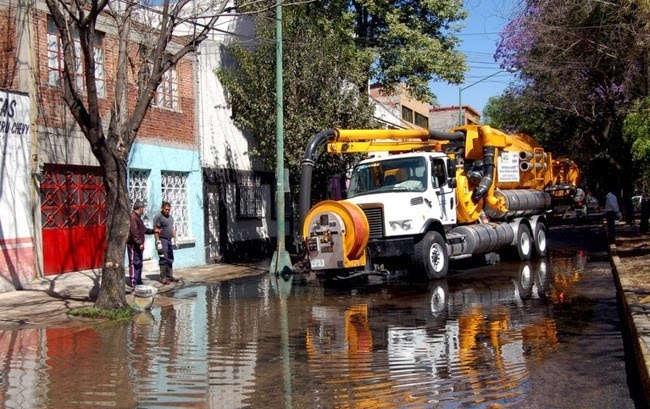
x: 175, y: 191
x: 55, y: 60
x: 139, y: 190
x: 249, y: 198
x: 167, y: 93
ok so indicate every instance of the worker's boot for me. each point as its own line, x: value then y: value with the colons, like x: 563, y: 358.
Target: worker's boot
x: 164, y: 274
x: 171, y: 274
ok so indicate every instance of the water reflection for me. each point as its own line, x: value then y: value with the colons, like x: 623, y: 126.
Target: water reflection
x: 472, y: 347
x: 257, y: 342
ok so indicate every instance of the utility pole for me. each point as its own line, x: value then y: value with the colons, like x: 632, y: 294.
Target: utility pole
x: 281, y: 262
x: 461, y: 89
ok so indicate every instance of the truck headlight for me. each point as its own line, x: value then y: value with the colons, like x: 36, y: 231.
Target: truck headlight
x: 401, y: 224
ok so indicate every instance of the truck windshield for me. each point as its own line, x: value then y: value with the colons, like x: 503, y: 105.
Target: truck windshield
x: 389, y: 175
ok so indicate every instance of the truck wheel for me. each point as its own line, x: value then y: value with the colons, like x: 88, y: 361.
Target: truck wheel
x: 431, y: 255
x: 524, y: 243
x: 540, y: 243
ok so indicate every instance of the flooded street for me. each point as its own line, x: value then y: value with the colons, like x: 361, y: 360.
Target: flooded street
x: 539, y: 334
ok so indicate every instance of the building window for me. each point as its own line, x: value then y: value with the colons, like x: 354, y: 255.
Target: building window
x: 174, y: 190
x: 139, y: 190
x: 421, y: 121
x: 55, y: 60
x: 407, y: 114
x: 249, y: 198
x: 167, y: 93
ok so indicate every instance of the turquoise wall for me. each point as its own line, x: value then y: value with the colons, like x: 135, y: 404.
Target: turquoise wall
x: 157, y: 158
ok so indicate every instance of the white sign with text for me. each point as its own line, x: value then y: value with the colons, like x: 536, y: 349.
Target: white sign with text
x: 15, y: 123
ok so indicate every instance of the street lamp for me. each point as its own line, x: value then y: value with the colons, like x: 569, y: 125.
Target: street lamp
x: 461, y: 89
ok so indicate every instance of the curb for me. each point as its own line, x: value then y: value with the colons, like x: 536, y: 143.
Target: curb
x: 636, y: 320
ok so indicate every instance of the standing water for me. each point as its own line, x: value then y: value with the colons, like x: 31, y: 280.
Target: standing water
x: 263, y: 342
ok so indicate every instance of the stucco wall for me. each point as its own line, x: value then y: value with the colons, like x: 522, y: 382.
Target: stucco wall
x: 226, y: 147
x: 17, y: 263
x: 223, y: 145
x: 157, y: 158
x: 443, y: 120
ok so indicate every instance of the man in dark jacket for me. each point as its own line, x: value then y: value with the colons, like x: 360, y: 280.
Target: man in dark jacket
x: 135, y: 244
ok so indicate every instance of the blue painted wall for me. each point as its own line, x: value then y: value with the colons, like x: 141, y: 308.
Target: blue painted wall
x: 158, y: 158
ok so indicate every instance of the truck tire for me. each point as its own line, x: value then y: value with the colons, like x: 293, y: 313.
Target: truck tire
x: 523, y: 242
x: 540, y: 241
x: 431, y: 256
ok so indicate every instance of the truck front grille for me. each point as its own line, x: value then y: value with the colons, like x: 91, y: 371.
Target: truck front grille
x: 375, y: 218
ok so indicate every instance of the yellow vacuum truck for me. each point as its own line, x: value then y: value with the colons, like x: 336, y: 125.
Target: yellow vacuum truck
x: 423, y: 198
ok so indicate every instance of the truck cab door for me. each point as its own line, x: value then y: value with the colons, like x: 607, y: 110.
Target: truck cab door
x: 440, y: 182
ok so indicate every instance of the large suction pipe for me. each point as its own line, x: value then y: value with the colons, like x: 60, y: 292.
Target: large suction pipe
x: 486, y: 183
x: 447, y: 136
x: 307, y: 167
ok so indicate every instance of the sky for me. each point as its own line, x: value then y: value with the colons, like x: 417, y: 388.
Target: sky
x: 480, y: 37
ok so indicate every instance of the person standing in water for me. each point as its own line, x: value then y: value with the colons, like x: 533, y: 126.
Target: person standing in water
x: 165, y: 242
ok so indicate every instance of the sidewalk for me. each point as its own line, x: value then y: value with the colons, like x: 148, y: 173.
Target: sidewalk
x: 630, y: 260
x: 46, y: 301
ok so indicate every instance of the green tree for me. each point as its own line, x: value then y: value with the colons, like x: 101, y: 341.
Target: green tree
x: 323, y: 72
x: 636, y: 129
x: 331, y: 49
x: 153, y: 30
x: 513, y: 111
x: 413, y: 41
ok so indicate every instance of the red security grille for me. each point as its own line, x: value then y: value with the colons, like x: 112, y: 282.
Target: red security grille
x: 73, y: 208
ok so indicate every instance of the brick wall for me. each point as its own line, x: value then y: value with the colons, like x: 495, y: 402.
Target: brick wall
x: 7, y: 48
x: 174, y: 126
x: 164, y: 125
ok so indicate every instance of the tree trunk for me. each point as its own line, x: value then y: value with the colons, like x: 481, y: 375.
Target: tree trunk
x: 111, y: 293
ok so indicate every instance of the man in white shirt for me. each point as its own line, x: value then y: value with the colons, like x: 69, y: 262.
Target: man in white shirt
x: 612, y: 212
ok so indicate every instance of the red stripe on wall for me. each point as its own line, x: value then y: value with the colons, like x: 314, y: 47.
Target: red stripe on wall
x: 17, y: 262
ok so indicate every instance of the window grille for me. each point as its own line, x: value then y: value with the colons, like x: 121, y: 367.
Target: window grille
x: 55, y: 61
x: 175, y: 191
x: 139, y: 190
x: 167, y: 93
x: 249, y: 197
x: 72, y: 197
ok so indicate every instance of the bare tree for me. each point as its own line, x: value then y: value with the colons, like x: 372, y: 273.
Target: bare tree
x: 165, y: 33
x: 583, y: 64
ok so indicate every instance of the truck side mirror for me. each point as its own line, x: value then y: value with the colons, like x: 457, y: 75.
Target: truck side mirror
x: 451, y: 172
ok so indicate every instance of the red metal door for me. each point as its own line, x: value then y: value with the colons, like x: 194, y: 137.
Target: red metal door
x: 73, y: 207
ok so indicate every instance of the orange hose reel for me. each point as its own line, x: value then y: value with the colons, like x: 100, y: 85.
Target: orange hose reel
x: 356, y: 225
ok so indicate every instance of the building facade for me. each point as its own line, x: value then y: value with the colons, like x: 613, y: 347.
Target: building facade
x: 239, y: 193
x: 446, y: 118
x: 399, y: 110
x: 63, y: 184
